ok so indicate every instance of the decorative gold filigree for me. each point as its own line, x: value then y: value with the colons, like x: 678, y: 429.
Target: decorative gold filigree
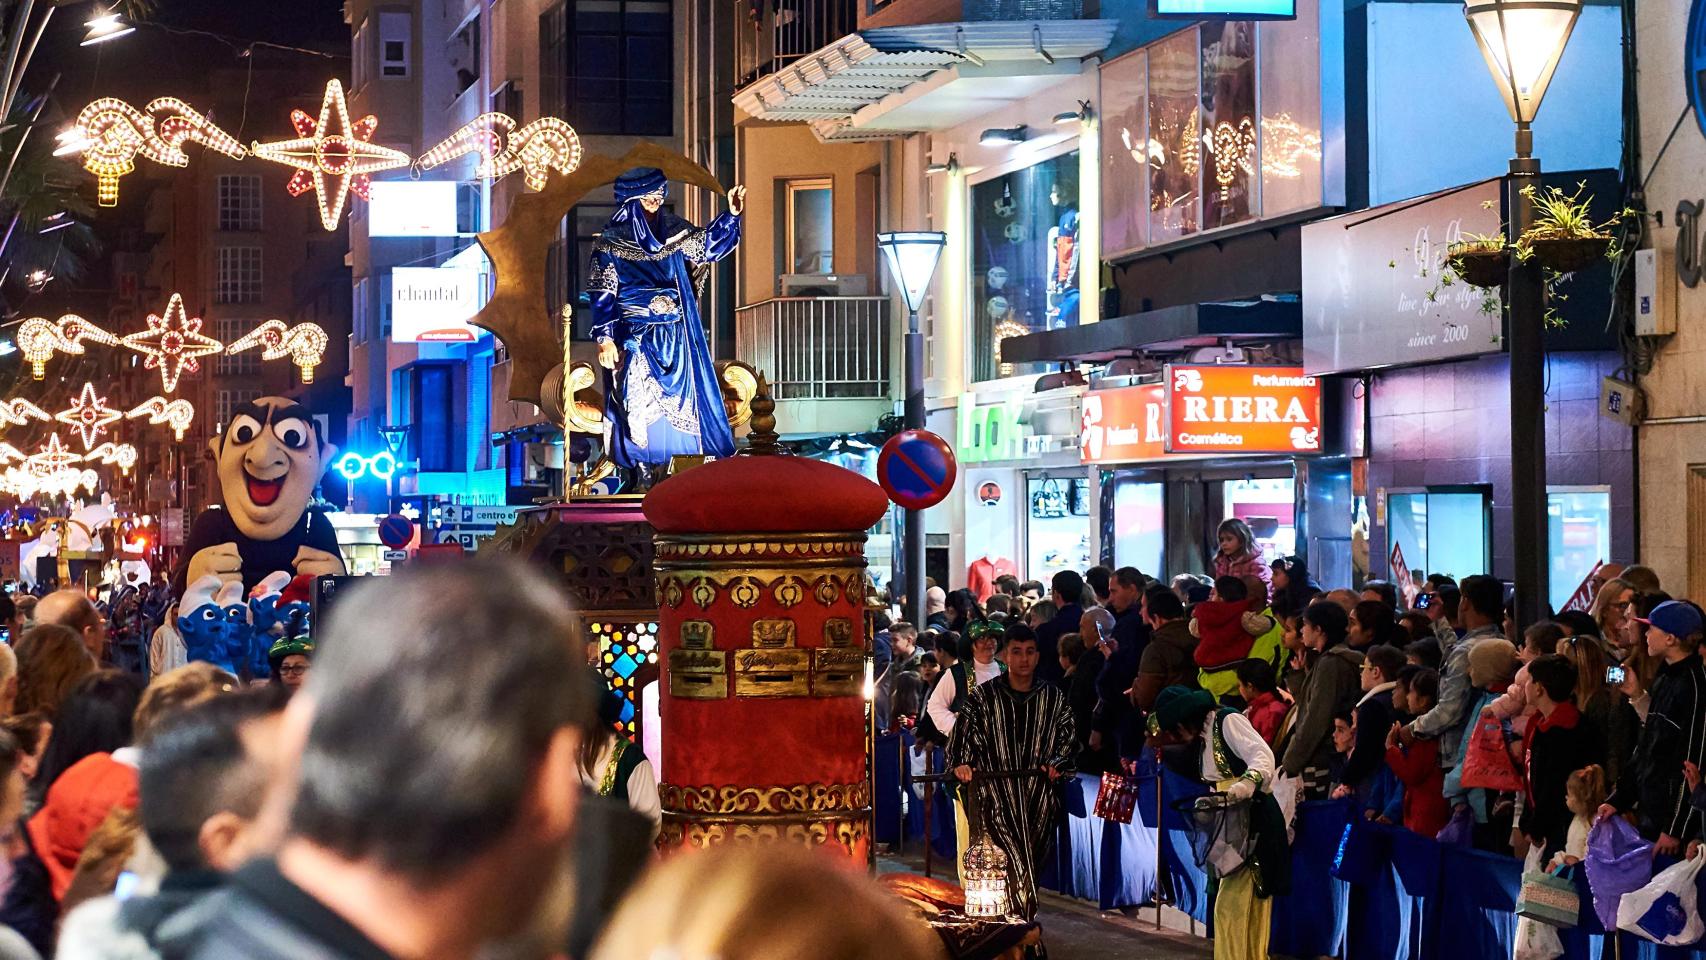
x: 788, y: 799
x: 846, y: 833
x: 671, y: 593
x: 704, y: 592
x: 773, y: 634
x: 838, y: 632
x: 698, y: 634
x: 827, y: 591
x: 744, y: 591
x: 789, y: 591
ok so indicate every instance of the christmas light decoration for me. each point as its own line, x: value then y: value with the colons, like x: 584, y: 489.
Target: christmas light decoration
x: 1234, y: 149
x: 331, y: 155
x: 10, y: 454
x: 112, y: 134
x: 305, y: 344
x: 39, y: 338
x: 173, y: 343
x: 52, y: 456
x: 1286, y: 146
x: 536, y: 149
x: 88, y: 415
x: 123, y: 455
x: 25, y: 483
x: 179, y: 414
x: 19, y: 411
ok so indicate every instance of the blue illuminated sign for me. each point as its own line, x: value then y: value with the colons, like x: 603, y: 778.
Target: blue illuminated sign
x: 1223, y: 9
x: 353, y: 466
x: 1694, y: 61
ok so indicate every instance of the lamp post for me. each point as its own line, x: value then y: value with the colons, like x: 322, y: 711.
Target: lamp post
x: 1522, y: 41
x: 912, y: 260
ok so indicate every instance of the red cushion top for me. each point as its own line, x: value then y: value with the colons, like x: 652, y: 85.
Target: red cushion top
x: 765, y: 494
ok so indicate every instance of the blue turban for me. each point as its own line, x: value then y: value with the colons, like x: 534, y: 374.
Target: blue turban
x: 640, y: 182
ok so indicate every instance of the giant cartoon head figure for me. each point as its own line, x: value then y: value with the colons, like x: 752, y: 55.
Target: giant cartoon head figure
x: 270, y: 459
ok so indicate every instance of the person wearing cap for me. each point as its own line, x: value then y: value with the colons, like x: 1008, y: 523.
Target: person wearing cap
x: 1220, y: 747
x: 1652, y: 785
x: 290, y: 658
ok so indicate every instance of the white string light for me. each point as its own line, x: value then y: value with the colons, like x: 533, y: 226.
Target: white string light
x: 39, y: 338
x: 111, y: 134
x: 173, y: 342
x: 88, y: 415
x: 305, y: 344
x: 19, y: 411
x: 179, y: 413
x: 331, y: 155
x: 536, y: 149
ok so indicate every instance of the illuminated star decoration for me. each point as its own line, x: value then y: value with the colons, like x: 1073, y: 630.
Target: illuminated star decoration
x: 88, y: 415
x: 544, y: 145
x: 52, y: 456
x: 173, y: 343
x: 18, y: 412
x: 331, y: 155
x: 112, y: 134
x: 39, y: 338
x: 179, y: 414
x: 304, y: 344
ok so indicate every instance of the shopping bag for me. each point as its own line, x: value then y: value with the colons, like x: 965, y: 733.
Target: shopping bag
x: 1459, y: 831
x: 1549, y: 898
x: 1536, y: 941
x: 1664, y: 911
x: 1487, y: 764
x: 1116, y: 801
x: 1618, y: 861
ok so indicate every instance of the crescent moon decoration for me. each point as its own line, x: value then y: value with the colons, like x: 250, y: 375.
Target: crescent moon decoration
x: 518, y: 252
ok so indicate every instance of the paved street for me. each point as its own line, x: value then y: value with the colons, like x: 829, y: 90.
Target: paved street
x: 1077, y: 931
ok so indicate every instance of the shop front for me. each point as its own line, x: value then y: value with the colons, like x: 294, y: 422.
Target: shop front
x: 1175, y: 457
x: 1434, y: 390
x: 1028, y: 503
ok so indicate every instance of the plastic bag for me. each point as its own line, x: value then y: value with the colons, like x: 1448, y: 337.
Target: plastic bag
x: 1286, y: 790
x: 1460, y: 830
x: 1487, y: 763
x: 1618, y: 861
x: 1536, y: 941
x: 1664, y: 910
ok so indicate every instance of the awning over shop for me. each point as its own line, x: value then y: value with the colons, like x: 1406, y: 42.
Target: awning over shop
x: 871, y: 84
x: 1167, y: 329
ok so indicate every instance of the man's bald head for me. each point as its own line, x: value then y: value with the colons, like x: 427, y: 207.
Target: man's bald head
x: 71, y: 608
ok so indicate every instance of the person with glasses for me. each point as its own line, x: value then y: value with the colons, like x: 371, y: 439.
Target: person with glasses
x: 290, y: 658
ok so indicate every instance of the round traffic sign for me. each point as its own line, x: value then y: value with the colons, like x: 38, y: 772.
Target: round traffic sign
x: 916, y: 469
x: 396, y: 530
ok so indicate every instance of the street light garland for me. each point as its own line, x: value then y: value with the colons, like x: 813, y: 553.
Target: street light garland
x: 305, y: 344
x: 39, y: 339
x: 88, y: 416
x: 173, y: 343
x: 177, y: 413
x: 331, y: 154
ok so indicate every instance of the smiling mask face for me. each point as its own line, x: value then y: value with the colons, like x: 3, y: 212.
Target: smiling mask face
x: 270, y: 459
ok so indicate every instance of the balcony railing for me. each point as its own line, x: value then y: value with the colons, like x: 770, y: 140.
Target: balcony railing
x: 818, y: 348
x: 784, y: 32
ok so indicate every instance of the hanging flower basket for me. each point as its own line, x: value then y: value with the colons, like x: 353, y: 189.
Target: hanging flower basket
x: 1478, y: 265
x: 1567, y: 255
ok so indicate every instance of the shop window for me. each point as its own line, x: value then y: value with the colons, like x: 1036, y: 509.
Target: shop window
x: 361, y: 50
x: 1290, y: 134
x: 1125, y: 154
x: 1269, y: 506
x: 1140, y: 525
x: 810, y: 229
x: 1024, y: 259
x: 1175, y: 138
x: 1228, y: 119
x: 1056, y: 533
x: 1440, y: 530
x: 1578, y: 537
x: 432, y: 401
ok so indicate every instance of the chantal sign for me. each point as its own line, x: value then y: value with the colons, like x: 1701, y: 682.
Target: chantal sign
x: 1125, y: 424
x: 433, y: 304
x: 1234, y: 409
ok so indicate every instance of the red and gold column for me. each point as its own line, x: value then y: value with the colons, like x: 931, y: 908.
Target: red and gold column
x: 761, y: 592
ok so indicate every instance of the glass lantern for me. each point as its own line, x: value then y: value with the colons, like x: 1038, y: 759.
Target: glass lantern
x: 985, y: 876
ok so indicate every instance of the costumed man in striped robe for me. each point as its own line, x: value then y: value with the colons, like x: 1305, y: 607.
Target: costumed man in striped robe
x: 1218, y: 746
x: 1017, y: 722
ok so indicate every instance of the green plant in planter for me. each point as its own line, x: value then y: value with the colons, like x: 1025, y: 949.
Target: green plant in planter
x: 1479, y: 259
x: 1564, y: 234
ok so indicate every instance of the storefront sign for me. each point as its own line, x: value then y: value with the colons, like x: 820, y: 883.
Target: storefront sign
x: 433, y: 304
x: 1224, y: 9
x: 1373, y: 289
x: 411, y: 208
x: 1236, y: 409
x: 1125, y: 424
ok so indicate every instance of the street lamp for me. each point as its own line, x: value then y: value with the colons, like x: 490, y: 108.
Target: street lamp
x: 912, y: 260
x: 109, y: 25
x: 1522, y: 41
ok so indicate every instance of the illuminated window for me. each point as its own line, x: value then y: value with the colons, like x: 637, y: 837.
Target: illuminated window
x: 225, y: 401
x: 239, y: 202
x: 239, y: 275
x: 811, y: 226
x: 1025, y: 259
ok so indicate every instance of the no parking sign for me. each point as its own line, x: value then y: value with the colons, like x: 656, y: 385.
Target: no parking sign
x: 916, y: 469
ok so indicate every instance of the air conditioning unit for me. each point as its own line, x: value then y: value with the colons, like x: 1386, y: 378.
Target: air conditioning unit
x: 825, y: 285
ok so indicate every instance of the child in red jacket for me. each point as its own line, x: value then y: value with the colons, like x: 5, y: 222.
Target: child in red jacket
x: 1417, y: 766
x: 1225, y: 627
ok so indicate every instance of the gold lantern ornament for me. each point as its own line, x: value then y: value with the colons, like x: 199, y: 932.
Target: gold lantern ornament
x: 985, y: 879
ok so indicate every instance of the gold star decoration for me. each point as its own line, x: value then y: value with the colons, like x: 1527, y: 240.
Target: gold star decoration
x: 518, y: 251
x: 331, y: 155
x: 173, y: 343
x: 88, y: 415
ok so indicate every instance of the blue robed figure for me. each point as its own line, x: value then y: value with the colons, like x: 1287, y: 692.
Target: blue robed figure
x: 661, y: 393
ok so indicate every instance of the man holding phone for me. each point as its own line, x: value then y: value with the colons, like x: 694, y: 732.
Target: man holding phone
x: 1652, y: 786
